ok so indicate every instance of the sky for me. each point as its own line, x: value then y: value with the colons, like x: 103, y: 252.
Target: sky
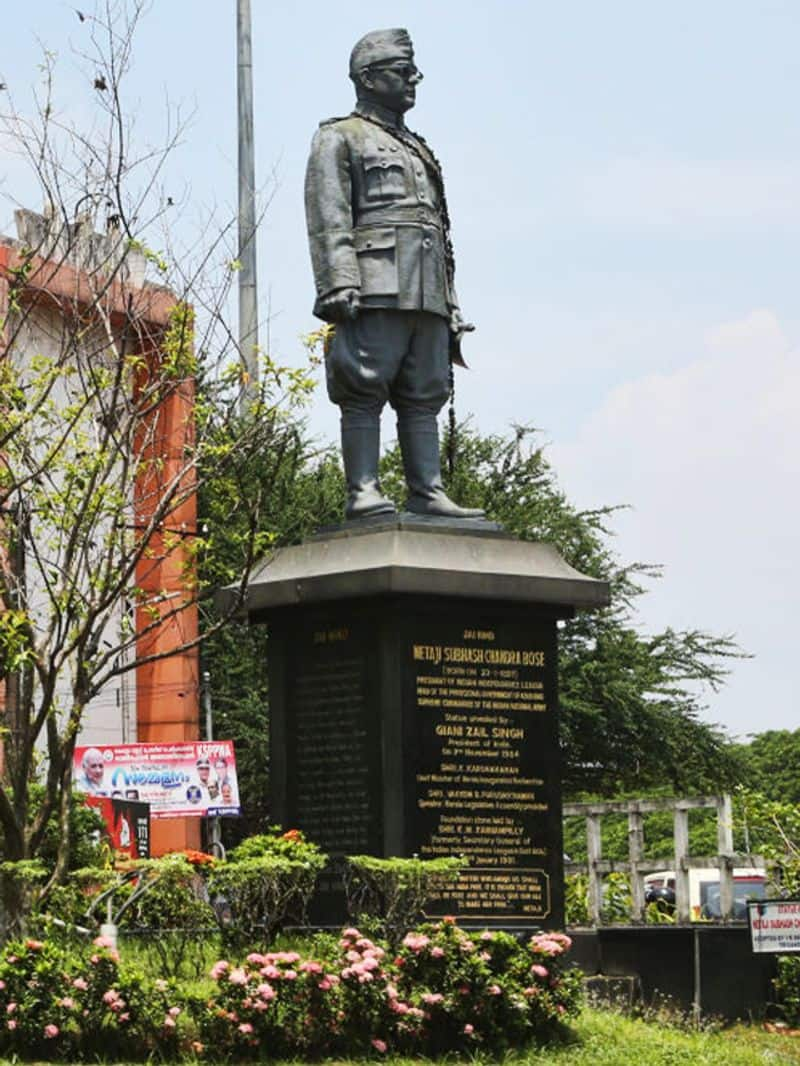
x: 624, y: 185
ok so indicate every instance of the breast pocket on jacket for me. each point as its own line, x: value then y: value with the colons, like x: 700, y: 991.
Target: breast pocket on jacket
x: 376, y: 249
x: 384, y: 175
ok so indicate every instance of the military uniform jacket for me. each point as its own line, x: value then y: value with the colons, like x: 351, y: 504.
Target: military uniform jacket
x: 374, y: 216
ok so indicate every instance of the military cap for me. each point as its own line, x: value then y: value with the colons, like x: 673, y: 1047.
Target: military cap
x: 380, y: 46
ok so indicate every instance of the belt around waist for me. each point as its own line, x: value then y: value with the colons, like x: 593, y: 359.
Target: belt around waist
x: 399, y: 215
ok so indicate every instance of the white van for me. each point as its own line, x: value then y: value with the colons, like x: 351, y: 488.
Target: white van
x: 749, y: 882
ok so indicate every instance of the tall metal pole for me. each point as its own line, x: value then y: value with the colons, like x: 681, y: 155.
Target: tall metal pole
x: 248, y: 288
x: 215, y: 834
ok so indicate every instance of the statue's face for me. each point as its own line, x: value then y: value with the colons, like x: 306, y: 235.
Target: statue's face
x: 393, y: 84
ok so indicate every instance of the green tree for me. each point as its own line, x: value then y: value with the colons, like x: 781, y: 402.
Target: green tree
x: 88, y: 369
x: 771, y: 763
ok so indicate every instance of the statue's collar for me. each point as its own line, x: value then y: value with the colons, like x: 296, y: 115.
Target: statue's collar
x: 381, y: 114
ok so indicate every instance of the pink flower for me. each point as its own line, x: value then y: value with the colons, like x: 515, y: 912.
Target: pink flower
x: 270, y: 971
x: 169, y: 1023
x: 103, y: 942
x: 353, y: 956
x: 415, y: 941
x: 111, y: 996
x: 51, y: 1031
x: 289, y: 975
x: 540, y: 971
x: 352, y: 934
x: 324, y: 985
x: 437, y: 952
x: 2, y: 985
x: 218, y: 969
x: 11, y: 1008
x: 11, y: 1024
x: 67, y: 1002
x: 174, y: 1011
x: 469, y: 1029
x: 370, y: 964
x: 34, y: 945
x: 487, y: 935
x: 561, y: 1008
x: 432, y: 998
x: 237, y: 977
x: 379, y: 1045
x: 125, y: 1017
x: 80, y: 984
x: 245, y: 1028
x: 266, y: 991
x: 310, y: 967
x: 255, y: 959
x: 494, y: 990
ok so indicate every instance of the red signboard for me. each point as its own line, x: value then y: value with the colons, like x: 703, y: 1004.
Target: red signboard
x: 182, y: 780
x: 127, y: 824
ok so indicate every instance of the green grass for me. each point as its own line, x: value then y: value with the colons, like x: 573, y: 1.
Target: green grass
x: 605, y: 1038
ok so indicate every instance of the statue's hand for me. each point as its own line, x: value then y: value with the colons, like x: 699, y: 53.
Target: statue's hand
x: 341, y: 305
x: 459, y: 325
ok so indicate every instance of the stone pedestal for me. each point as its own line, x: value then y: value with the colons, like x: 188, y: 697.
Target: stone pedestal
x: 413, y: 703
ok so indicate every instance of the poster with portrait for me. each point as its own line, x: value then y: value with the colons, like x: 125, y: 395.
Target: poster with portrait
x: 192, y: 779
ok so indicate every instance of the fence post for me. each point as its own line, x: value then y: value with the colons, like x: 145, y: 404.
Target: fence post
x: 635, y: 850
x: 594, y: 850
x: 725, y: 852
x: 681, y: 835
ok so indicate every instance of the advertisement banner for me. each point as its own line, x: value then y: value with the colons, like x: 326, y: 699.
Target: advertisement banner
x: 190, y: 779
x: 127, y: 824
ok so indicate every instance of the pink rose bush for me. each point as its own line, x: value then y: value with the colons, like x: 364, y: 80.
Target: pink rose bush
x: 443, y: 989
x: 446, y: 989
x: 57, y: 1003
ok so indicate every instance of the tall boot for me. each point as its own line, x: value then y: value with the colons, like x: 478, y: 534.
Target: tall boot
x: 360, y: 450
x: 419, y: 444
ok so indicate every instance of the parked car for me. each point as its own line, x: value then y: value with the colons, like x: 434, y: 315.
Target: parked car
x: 749, y: 882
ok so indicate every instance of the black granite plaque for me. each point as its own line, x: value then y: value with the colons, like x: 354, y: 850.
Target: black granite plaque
x: 483, y: 764
x: 331, y: 737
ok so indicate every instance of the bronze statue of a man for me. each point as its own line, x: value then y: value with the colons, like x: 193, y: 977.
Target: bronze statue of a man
x: 383, y: 266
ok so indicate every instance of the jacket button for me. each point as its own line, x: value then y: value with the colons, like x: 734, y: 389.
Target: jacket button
x: 369, y: 244
x: 427, y: 242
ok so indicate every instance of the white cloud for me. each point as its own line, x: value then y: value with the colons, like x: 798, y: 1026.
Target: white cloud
x: 663, y: 192
x: 709, y: 457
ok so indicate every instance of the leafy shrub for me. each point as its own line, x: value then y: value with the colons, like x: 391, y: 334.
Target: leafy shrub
x: 457, y: 991
x: 61, y: 1005
x: 446, y: 990
x: 266, y: 883
x: 394, y: 891
x: 171, y: 913
x: 787, y: 988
